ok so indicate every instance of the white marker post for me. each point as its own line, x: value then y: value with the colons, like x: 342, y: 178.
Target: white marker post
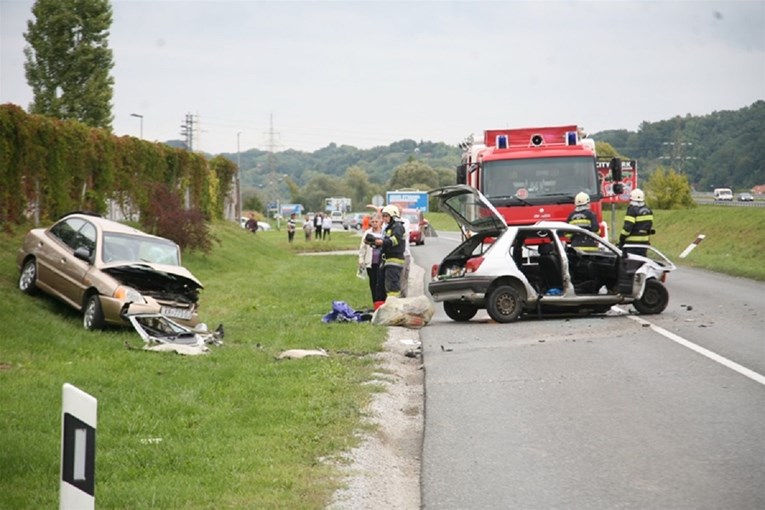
x: 78, y: 449
x: 691, y: 246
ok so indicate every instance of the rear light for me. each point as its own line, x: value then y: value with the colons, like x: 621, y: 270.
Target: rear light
x: 434, y: 271
x: 473, y: 264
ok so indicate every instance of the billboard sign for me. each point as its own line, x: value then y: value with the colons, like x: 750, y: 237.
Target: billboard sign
x: 408, y: 199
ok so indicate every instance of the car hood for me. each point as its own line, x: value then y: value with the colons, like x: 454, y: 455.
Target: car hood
x: 154, y: 276
x: 469, y: 208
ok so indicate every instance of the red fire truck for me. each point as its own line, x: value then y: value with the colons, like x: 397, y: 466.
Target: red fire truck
x: 533, y: 174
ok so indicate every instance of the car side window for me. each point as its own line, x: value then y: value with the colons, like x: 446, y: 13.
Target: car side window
x: 66, y: 231
x: 86, y: 237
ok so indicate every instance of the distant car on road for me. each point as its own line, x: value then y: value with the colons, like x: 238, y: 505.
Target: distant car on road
x: 417, y: 225
x: 723, y: 195
x: 745, y: 197
x: 262, y: 225
x: 107, y: 271
x: 337, y: 217
x: 354, y: 220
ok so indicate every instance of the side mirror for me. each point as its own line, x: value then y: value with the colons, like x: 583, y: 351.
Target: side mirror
x: 616, y: 176
x: 462, y: 174
x: 616, y: 169
x: 82, y: 253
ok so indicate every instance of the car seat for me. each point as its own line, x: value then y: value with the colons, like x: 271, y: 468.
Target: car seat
x: 550, y: 266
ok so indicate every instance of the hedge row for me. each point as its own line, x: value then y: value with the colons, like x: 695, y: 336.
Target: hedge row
x: 61, y: 165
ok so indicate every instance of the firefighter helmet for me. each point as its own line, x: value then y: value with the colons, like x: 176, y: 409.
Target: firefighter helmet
x: 637, y: 195
x: 391, y: 210
x: 582, y: 199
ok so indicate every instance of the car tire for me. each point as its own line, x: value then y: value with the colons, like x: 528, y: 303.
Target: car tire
x: 504, y: 304
x: 459, y: 312
x: 28, y: 278
x: 92, y: 314
x: 654, y: 300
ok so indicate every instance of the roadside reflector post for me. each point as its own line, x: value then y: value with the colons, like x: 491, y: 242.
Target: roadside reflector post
x: 691, y: 246
x: 78, y: 449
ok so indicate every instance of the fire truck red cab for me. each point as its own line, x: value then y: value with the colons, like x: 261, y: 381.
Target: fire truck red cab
x: 533, y: 174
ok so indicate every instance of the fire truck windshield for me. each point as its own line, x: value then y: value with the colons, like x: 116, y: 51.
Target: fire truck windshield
x: 529, y: 179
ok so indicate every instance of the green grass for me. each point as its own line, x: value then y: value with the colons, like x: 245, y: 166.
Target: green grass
x: 237, y: 429
x: 234, y: 429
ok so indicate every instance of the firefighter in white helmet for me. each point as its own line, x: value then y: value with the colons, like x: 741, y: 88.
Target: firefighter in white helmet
x: 582, y: 216
x: 393, y: 246
x: 638, y: 223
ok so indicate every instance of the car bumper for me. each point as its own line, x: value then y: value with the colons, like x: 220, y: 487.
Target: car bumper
x: 465, y: 290
x: 115, y: 311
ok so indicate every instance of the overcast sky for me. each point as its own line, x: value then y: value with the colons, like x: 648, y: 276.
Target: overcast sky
x: 371, y: 73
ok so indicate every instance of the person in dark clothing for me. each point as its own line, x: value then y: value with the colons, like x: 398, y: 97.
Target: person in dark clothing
x: 291, y: 228
x: 638, y: 224
x: 318, y: 220
x: 582, y: 216
x: 252, y: 224
x: 393, y: 246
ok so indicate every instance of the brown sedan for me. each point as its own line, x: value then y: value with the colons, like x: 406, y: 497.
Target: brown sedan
x: 108, y: 270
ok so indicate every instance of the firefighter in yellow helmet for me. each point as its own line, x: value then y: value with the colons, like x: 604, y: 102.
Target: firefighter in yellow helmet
x: 638, y: 223
x: 582, y: 216
x: 392, y: 246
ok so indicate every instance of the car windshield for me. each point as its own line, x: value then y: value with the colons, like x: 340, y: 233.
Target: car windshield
x: 130, y: 248
x: 539, y: 177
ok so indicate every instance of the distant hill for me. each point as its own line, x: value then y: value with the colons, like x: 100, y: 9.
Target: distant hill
x: 725, y: 148
x: 722, y: 149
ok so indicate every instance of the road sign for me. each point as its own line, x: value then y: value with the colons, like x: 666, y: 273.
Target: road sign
x: 378, y: 201
x: 78, y: 449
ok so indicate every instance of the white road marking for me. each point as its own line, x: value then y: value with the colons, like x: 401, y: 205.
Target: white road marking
x: 751, y: 374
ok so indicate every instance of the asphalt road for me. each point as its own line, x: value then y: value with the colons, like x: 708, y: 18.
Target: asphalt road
x: 604, y: 412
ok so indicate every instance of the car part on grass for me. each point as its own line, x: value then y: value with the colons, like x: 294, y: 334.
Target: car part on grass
x: 155, y: 328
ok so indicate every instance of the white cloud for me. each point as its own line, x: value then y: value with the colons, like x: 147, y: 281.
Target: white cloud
x: 371, y: 73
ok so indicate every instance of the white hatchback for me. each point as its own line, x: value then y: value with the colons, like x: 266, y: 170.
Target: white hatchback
x: 548, y: 267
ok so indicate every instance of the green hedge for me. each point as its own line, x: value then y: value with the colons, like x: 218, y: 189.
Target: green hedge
x: 63, y: 165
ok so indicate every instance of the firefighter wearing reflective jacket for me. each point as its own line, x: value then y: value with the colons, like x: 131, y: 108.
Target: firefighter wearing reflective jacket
x: 583, y: 217
x: 393, y: 245
x: 638, y: 224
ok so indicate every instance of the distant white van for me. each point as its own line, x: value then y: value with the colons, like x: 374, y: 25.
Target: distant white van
x: 723, y: 194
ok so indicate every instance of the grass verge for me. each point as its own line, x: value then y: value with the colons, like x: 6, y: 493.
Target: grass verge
x: 234, y: 429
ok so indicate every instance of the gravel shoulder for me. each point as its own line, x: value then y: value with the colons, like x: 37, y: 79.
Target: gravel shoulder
x: 383, y: 472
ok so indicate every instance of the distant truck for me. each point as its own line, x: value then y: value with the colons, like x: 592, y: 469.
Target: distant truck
x: 723, y: 195
x: 341, y: 204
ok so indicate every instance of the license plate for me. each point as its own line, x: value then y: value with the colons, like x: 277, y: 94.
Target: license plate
x: 176, y: 313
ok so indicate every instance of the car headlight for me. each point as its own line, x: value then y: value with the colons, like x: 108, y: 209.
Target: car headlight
x: 124, y: 293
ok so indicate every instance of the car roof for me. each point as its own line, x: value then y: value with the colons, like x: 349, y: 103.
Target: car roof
x: 108, y: 225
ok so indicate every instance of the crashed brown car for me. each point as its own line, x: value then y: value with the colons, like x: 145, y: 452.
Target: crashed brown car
x: 107, y: 271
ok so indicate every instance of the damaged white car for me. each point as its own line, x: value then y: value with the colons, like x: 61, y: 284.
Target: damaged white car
x: 548, y: 267
x: 107, y: 271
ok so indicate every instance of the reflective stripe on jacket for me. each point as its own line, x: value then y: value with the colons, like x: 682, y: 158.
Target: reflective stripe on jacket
x: 637, y: 225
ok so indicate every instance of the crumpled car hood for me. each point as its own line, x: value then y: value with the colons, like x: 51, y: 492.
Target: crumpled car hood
x: 156, y: 277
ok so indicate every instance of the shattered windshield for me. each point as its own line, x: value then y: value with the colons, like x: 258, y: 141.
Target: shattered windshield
x: 539, y: 177
x: 130, y: 248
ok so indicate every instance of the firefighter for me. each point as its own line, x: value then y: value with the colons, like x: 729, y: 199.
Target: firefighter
x: 638, y: 224
x: 393, y: 246
x: 582, y: 216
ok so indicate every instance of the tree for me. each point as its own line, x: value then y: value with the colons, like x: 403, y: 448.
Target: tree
x: 667, y: 189
x: 68, y: 61
x: 414, y: 174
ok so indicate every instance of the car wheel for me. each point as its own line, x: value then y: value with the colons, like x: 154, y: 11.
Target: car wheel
x: 28, y: 278
x: 504, y: 304
x: 654, y: 300
x: 459, y: 312
x: 93, y: 315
